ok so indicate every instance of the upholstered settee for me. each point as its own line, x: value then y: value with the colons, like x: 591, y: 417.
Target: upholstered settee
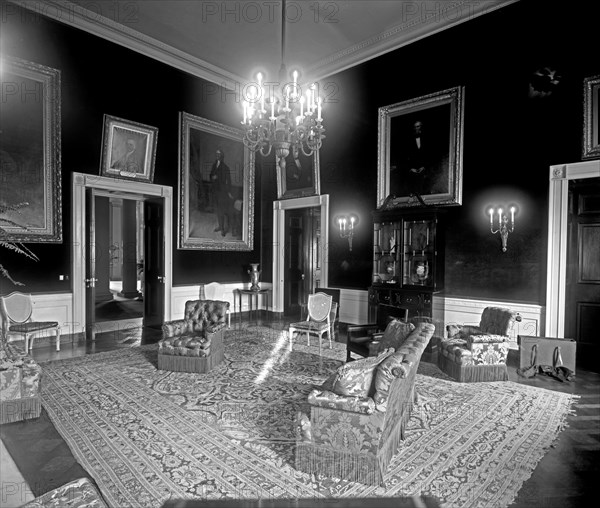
x: 478, y: 353
x: 20, y: 388
x: 353, y: 423
x: 194, y: 343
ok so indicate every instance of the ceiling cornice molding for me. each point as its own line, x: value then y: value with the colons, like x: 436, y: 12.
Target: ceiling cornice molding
x: 72, y: 14
x: 401, y: 35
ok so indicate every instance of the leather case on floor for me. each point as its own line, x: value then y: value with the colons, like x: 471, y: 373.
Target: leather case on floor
x: 548, y: 351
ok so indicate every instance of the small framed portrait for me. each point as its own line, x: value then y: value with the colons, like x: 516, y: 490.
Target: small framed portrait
x: 297, y: 174
x: 128, y: 149
x: 216, y: 186
x: 420, y: 151
x: 591, y: 135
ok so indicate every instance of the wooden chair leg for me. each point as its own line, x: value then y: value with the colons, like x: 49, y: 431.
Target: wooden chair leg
x: 58, y: 339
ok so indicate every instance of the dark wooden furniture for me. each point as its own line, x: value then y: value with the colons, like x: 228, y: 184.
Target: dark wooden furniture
x: 408, y: 262
x: 361, y: 336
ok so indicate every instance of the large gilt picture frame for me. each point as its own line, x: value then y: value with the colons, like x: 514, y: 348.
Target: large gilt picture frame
x: 591, y: 133
x: 128, y: 149
x: 420, y: 151
x: 298, y: 174
x: 216, y: 200
x: 30, y: 151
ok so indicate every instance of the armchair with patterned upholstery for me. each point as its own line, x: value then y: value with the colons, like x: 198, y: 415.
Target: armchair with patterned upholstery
x: 478, y: 353
x: 353, y: 423
x: 20, y: 384
x: 194, y: 343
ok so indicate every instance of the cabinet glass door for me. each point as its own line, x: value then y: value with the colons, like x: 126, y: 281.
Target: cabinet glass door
x: 418, y: 250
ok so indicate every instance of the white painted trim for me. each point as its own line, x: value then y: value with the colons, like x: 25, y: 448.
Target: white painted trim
x: 279, y: 208
x: 181, y: 294
x: 81, y: 182
x: 54, y: 307
x: 558, y: 203
x: 354, y: 306
x: 72, y: 14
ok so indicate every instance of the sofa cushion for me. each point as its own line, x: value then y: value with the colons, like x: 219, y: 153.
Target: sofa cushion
x: 355, y: 378
x: 395, y: 334
x: 330, y: 400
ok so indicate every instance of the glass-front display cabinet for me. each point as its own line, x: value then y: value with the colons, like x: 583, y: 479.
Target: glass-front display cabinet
x: 408, y: 260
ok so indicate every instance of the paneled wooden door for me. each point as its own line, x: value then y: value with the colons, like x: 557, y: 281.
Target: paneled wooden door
x: 582, y: 306
x: 302, y: 244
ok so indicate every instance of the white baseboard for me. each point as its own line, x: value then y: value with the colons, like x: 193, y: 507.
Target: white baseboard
x: 55, y: 307
x: 181, y: 294
x: 449, y: 310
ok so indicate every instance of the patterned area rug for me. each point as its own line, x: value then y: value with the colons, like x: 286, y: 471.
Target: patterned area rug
x: 147, y: 435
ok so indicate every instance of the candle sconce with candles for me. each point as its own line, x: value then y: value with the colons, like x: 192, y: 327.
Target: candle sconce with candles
x: 505, y: 226
x: 346, y: 225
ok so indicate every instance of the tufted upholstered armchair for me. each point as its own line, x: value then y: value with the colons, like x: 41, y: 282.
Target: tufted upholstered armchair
x: 194, y: 343
x: 353, y: 423
x: 478, y: 353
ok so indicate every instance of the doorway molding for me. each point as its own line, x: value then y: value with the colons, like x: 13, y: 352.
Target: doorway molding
x: 117, y: 188
x: 558, y: 211
x: 279, y: 209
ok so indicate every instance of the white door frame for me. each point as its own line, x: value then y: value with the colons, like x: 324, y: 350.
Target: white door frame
x: 118, y: 188
x: 279, y: 209
x: 558, y: 211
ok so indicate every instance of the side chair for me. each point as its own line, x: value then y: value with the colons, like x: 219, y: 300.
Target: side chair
x: 16, y: 310
x: 320, y: 307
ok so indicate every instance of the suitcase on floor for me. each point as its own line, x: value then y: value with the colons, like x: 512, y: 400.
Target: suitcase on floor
x: 546, y: 351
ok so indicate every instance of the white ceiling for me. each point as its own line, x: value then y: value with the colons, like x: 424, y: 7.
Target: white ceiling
x: 227, y: 41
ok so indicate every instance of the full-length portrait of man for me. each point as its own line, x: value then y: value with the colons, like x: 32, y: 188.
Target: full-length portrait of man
x: 220, y: 177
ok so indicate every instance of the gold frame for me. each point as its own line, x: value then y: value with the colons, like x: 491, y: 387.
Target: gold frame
x: 288, y: 188
x: 394, y: 120
x: 115, y: 135
x: 33, y: 152
x: 591, y: 132
x: 195, y: 226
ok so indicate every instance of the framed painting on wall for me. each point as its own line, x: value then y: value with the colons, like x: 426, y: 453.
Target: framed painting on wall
x: 591, y: 134
x: 30, y: 152
x: 128, y: 149
x: 420, y: 151
x: 216, y: 186
x: 298, y: 174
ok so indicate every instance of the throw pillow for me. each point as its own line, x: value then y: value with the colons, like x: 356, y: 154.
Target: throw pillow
x: 395, y: 334
x: 355, y: 378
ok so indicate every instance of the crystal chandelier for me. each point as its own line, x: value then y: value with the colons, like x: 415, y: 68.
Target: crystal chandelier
x: 281, y: 115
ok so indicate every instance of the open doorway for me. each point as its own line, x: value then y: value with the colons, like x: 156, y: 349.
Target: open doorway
x: 119, y: 260
x: 157, y: 203
x: 302, y: 258
x: 314, y: 210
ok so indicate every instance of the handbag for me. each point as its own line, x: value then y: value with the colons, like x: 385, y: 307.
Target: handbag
x: 546, y: 351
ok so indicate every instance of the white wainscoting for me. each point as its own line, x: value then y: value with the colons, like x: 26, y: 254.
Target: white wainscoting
x: 181, y: 294
x: 55, y: 307
x: 450, y: 310
x: 354, y: 306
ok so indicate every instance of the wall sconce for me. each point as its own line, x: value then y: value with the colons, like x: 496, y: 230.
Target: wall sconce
x: 504, y: 227
x: 346, y: 225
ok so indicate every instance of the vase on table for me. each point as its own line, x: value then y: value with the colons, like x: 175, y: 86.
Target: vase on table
x: 254, y: 276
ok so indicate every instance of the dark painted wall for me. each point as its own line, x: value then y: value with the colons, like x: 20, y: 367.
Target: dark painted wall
x: 101, y: 77
x: 510, y: 139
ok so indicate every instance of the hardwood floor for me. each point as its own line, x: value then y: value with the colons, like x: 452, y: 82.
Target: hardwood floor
x: 565, y: 477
